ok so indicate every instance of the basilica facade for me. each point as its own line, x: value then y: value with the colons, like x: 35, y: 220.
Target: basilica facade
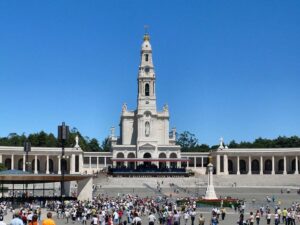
x: 146, y: 142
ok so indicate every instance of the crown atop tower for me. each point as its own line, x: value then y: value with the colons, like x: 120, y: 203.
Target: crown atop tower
x: 146, y: 46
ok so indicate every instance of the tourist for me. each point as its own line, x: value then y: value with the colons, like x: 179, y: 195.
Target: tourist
x: 186, y: 216
x: 94, y: 220
x: 151, y: 219
x: 214, y: 219
x: 34, y: 220
x: 1, y: 220
x: 268, y: 216
x: 241, y: 220
x: 48, y: 221
x: 193, y: 215
x: 16, y: 219
x: 257, y: 217
x: 136, y: 220
x: 201, y: 220
x: 223, y: 213
x: 276, y: 218
x: 176, y: 218
x: 284, y: 214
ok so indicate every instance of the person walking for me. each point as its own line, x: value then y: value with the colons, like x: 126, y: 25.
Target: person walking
x: 48, y: 221
x: 201, y: 220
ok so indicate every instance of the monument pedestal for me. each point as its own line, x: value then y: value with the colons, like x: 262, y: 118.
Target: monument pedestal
x: 210, y: 190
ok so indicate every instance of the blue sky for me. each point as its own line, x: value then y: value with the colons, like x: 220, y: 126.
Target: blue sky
x: 226, y: 68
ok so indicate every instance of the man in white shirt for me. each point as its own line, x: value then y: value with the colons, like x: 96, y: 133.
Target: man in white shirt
x: 152, y: 219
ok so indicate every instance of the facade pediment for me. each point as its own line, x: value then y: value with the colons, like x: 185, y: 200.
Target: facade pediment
x: 147, y: 147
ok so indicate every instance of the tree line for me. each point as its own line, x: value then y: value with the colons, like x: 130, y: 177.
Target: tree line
x: 43, y: 139
x: 187, y: 141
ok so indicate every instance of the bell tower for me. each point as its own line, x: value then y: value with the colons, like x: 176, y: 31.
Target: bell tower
x: 146, y: 79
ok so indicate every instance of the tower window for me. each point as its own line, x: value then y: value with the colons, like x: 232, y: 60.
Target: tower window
x: 146, y: 57
x: 147, y: 89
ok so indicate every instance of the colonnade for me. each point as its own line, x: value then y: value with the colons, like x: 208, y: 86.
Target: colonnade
x: 275, y: 164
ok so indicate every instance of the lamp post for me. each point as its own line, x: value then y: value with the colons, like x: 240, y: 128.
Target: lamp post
x: 63, y: 134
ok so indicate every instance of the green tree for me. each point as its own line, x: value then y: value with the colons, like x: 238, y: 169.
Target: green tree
x: 94, y: 145
x: 105, y: 145
x: 187, y: 140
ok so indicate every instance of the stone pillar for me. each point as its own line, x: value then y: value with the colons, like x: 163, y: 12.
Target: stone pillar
x: 225, y: 162
x: 202, y: 162
x: 296, y: 165
x: 261, y: 167
x: 105, y: 161
x: 284, y: 165
x: 0, y: 158
x: 218, y: 165
x: 59, y: 165
x: 24, y: 162
x: 47, y: 164
x: 35, y: 165
x: 81, y: 163
x: 12, y: 161
x: 90, y: 162
x: 238, y: 165
x: 97, y: 163
x: 72, y: 166
x: 273, y: 165
x: 195, y: 161
x: 249, y: 165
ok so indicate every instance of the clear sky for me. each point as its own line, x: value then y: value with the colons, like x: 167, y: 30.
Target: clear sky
x: 226, y: 68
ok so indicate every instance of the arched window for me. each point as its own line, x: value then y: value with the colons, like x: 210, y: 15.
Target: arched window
x: 146, y: 57
x: 7, y: 163
x: 255, y: 166
x: 147, y: 89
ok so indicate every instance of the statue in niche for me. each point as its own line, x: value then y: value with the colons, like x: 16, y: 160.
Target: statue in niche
x: 166, y: 108
x: 147, y: 129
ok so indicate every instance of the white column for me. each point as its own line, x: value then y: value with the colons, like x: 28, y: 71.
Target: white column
x: 273, y: 164
x: 35, y: 165
x: 284, y: 165
x: 249, y: 165
x: 59, y: 165
x: 24, y: 162
x: 90, y: 162
x: 47, y: 164
x: 72, y: 166
x: 97, y: 162
x: 218, y: 164
x: 238, y: 165
x: 296, y: 165
x: 105, y: 161
x: 225, y: 162
x: 12, y: 161
x: 195, y: 162
x: 202, y: 162
x: 261, y: 168
x: 1, y: 158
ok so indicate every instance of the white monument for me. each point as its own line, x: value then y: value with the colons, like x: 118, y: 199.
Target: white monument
x: 210, y: 190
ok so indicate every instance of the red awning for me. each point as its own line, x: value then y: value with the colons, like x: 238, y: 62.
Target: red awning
x: 148, y: 160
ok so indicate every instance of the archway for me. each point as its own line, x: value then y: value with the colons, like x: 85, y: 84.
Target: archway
x: 280, y: 166
x: 20, y: 164
x: 294, y: 166
x: 230, y: 166
x: 255, y: 166
x: 162, y: 164
x: 173, y: 156
x: 64, y: 165
x: 268, y: 166
x: 243, y: 168
x: 120, y: 155
x: 131, y: 165
x: 147, y: 155
x: 7, y: 163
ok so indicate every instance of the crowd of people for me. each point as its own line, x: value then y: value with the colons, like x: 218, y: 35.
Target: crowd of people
x: 135, y: 210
